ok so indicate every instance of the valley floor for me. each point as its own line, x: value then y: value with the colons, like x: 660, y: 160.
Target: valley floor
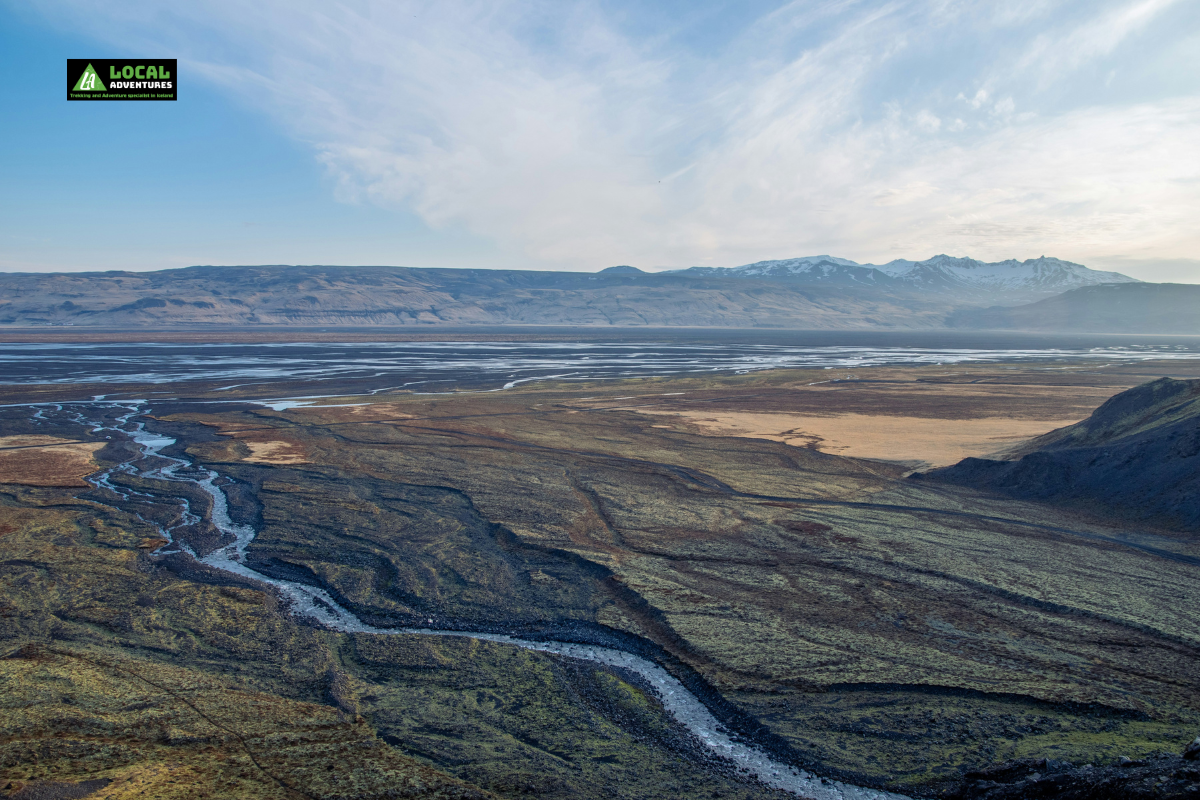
x: 869, y: 627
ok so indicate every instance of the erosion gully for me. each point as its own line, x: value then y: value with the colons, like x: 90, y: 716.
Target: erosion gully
x: 121, y: 418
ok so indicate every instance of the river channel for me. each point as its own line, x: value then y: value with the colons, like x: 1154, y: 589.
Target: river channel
x: 119, y: 419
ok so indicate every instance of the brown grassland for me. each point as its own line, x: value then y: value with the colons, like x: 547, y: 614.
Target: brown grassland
x: 883, y: 630
x: 46, y: 460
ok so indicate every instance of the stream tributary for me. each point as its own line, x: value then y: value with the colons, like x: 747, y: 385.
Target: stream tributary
x: 313, y: 603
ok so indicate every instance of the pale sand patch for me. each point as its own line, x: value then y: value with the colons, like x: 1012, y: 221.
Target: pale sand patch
x: 46, y: 460
x: 275, y: 452
x: 385, y: 410
x: 365, y: 412
x: 937, y: 442
x: 262, y: 449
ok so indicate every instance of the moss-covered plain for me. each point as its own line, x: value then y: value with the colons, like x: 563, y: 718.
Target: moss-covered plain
x: 117, y: 668
x: 885, y: 630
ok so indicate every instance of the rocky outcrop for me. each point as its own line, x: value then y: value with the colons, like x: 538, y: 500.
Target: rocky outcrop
x: 1135, y: 457
x: 1159, y: 777
x: 1192, y: 751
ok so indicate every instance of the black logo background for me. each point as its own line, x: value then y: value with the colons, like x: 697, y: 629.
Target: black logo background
x: 76, y: 66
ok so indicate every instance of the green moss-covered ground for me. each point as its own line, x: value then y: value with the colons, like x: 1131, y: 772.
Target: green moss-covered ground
x: 884, y: 630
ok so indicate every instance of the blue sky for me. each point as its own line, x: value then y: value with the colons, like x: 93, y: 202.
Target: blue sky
x: 577, y: 135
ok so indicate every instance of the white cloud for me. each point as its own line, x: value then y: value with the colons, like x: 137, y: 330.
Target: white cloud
x: 570, y: 144
x: 979, y: 99
x: 928, y: 122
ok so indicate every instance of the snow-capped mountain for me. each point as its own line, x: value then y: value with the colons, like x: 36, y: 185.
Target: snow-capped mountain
x: 812, y: 269
x: 941, y: 274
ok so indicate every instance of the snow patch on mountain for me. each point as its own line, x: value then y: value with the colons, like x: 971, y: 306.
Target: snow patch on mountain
x: 941, y: 273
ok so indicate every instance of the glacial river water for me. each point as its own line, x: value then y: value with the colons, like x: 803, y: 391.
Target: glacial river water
x: 481, y: 364
x: 121, y: 419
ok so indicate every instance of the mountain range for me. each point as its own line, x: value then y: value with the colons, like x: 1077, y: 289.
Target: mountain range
x: 815, y: 292
x: 366, y: 296
x: 962, y: 278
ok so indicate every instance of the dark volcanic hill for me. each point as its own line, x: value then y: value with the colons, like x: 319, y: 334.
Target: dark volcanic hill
x: 321, y: 295
x: 1107, y: 308
x: 1137, y: 457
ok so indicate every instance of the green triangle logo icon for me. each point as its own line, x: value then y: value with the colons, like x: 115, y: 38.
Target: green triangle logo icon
x: 89, y: 81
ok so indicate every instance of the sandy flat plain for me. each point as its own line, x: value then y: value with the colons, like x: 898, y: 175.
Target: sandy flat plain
x: 933, y: 442
x: 921, y: 417
x: 275, y: 452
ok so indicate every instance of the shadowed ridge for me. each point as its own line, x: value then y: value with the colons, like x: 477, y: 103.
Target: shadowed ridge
x: 1105, y: 308
x: 1142, y: 409
x: 1137, y: 456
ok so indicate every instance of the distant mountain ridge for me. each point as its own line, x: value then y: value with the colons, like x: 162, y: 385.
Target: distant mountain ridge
x: 370, y: 295
x: 817, y: 292
x: 943, y: 274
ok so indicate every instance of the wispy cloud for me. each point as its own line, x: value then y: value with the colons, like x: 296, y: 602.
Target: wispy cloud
x: 1053, y: 53
x: 871, y: 129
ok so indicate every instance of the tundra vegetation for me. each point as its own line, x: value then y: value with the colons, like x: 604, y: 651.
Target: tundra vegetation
x: 870, y: 627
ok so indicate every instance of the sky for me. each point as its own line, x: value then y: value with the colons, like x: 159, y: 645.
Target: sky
x: 580, y: 135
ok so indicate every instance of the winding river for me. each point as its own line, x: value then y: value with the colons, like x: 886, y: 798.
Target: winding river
x: 120, y: 418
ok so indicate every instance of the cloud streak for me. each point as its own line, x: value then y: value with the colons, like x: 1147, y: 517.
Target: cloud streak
x: 570, y: 137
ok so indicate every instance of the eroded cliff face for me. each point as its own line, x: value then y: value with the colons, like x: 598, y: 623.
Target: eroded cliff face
x: 1136, y: 457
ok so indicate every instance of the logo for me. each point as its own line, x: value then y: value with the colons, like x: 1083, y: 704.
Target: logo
x: 121, y: 79
x: 89, y: 81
